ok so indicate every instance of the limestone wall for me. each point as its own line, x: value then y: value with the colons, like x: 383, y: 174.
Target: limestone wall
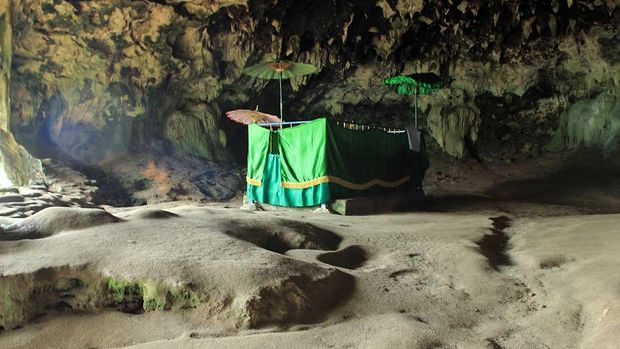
x: 96, y: 80
x: 17, y: 166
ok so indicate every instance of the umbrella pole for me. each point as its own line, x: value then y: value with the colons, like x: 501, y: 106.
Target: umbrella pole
x: 416, y: 109
x: 281, y: 107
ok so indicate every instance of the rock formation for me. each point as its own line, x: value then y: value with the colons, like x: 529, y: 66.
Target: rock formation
x: 17, y: 166
x: 96, y: 80
x: 97, y: 261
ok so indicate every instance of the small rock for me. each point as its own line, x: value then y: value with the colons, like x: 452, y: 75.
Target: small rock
x: 56, y: 188
x: 30, y: 193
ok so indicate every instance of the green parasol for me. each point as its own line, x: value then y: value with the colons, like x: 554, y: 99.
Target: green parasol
x: 279, y: 70
x: 415, y: 84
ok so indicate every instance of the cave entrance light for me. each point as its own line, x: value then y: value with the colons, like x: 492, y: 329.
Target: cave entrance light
x: 5, y: 182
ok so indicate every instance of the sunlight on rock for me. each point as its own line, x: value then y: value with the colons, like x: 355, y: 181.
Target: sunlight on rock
x: 5, y: 182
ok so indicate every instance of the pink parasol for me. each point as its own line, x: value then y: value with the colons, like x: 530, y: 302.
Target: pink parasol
x: 246, y: 117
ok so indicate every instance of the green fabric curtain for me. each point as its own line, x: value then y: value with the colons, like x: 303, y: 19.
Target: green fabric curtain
x: 354, y: 162
x: 319, y: 161
x: 271, y: 191
x: 302, y: 149
x: 366, y: 162
x: 258, y: 146
x: 419, y: 164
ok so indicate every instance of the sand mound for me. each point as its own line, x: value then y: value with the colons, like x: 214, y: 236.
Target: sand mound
x: 153, y: 214
x: 145, y: 263
x: 52, y: 220
x: 298, y: 299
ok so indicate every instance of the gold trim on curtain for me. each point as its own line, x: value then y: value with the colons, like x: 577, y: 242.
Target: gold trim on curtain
x: 255, y: 182
x: 345, y: 183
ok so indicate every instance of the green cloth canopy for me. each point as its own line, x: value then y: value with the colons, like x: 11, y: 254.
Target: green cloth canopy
x: 321, y: 161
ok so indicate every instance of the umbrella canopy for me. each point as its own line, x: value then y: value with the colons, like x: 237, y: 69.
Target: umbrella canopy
x: 279, y: 70
x: 415, y: 84
x: 246, y: 117
x: 422, y: 84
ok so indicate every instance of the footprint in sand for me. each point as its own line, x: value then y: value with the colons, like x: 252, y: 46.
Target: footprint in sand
x: 409, y: 278
x: 351, y: 257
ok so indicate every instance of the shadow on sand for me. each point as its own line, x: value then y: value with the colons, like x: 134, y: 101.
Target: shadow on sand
x: 579, y: 187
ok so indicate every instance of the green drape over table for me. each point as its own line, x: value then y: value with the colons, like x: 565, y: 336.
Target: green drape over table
x: 314, y: 163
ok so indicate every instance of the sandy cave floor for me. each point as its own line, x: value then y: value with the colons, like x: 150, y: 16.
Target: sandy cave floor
x: 487, y: 264
x: 421, y: 280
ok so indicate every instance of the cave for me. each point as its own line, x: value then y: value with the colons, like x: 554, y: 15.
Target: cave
x: 298, y: 173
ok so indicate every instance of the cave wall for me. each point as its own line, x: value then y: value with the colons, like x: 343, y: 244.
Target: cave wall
x: 95, y: 80
x: 17, y: 166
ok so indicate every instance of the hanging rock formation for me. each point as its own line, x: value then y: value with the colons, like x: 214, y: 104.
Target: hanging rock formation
x: 96, y: 80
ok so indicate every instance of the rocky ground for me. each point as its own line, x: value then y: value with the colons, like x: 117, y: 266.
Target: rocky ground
x: 139, y: 180
x: 152, y: 178
x: 63, y: 187
x: 575, y: 183
x: 477, y: 269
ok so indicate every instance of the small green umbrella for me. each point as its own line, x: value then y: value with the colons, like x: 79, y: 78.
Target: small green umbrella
x: 279, y: 70
x: 415, y: 84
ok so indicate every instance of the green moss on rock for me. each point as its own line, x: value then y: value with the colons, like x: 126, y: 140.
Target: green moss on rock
x: 9, y: 311
x: 121, y: 290
x: 184, y: 298
x: 68, y: 284
x: 151, y: 296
